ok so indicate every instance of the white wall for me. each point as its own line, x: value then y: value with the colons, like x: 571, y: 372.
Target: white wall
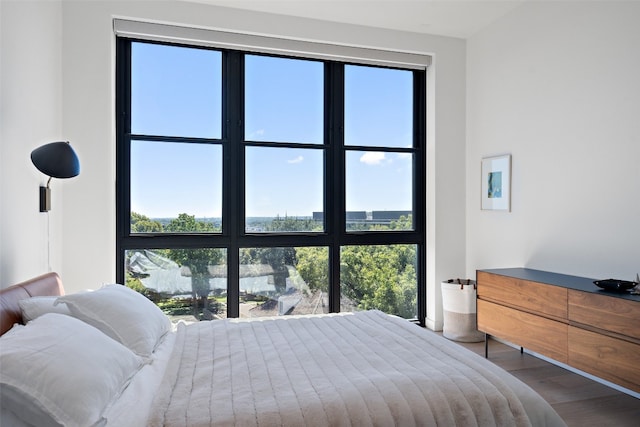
x: 556, y: 85
x: 31, y: 115
x: 87, y: 41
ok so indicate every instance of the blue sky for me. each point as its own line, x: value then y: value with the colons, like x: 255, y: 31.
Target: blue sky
x: 176, y: 91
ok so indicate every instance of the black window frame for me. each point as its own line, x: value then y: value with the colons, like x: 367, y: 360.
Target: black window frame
x: 233, y: 235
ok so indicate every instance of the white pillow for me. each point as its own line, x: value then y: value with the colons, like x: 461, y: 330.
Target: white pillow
x: 57, y: 370
x: 123, y: 314
x: 37, y: 306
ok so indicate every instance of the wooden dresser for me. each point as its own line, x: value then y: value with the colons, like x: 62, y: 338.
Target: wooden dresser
x: 565, y: 318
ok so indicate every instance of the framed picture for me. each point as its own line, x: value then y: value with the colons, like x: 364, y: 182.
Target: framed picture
x: 496, y: 183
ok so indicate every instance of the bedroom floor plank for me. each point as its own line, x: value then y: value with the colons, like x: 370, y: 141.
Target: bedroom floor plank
x: 580, y: 401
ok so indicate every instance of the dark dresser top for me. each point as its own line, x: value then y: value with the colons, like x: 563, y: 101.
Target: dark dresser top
x: 584, y: 284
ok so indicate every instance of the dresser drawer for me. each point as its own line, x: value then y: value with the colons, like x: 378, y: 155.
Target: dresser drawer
x: 609, y: 358
x: 538, y: 334
x: 605, y: 312
x: 530, y: 296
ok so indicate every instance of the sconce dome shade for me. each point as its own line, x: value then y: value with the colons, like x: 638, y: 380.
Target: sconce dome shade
x: 56, y: 159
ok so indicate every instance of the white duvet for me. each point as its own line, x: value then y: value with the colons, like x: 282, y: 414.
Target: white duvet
x: 359, y: 369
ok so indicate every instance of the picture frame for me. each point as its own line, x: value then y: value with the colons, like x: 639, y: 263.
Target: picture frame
x: 496, y: 183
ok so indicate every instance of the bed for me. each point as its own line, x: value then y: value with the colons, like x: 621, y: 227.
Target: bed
x: 122, y: 363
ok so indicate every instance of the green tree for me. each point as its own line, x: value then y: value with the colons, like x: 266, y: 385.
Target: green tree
x: 196, y: 260
x: 277, y: 258
x: 313, y: 267
x: 402, y: 223
x: 143, y: 224
x: 293, y: 224
x: 381, y: 277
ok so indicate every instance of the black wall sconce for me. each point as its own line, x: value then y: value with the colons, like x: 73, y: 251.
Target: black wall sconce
x: 57, y: 160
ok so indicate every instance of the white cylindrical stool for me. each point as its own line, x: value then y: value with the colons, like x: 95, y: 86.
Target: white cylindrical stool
x: 459, y: 311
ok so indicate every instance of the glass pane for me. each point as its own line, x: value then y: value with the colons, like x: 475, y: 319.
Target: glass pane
x: 175, y: 91
x: 379, y: 189
x: 187, y: 284
x: 284, y: 100
x: 284, y: 281
x: 379, y: 277
x: 176, y: 187
x: 284, y: 187
x: 378, y: 107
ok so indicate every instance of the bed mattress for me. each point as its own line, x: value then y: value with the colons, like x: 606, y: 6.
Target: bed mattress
x: 366, y: 368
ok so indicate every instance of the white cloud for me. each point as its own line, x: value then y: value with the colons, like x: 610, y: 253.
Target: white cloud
x: 259, y: 132
x: 372, y: 158
x: 298, y: 159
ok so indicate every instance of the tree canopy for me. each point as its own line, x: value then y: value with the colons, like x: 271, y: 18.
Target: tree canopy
x: 371, y: 276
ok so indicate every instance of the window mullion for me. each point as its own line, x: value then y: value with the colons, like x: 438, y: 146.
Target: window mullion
x: 123, y: 158
x: 334, y: 193
x: 233, y: 173
x: 420, y: 190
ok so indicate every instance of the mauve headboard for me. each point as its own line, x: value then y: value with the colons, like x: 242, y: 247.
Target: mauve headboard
x: 48, y: 284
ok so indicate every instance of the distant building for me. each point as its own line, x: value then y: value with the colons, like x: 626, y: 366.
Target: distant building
x: 364, y: 217
x: 359, y: 216
x: 356, y: 216
x: 388, y: 215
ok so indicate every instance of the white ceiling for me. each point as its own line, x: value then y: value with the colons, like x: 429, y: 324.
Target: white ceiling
x: 453, y: 18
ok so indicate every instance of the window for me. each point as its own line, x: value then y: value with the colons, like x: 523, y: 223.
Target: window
x: 253, y: 184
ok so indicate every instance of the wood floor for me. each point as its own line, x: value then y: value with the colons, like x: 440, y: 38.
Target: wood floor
x: 580, y: 401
